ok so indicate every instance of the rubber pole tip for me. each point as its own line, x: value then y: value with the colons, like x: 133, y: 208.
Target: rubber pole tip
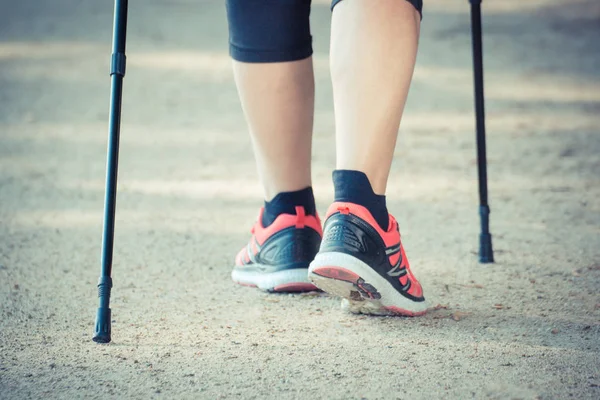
x: 102, y: 330
x: 486, y: 253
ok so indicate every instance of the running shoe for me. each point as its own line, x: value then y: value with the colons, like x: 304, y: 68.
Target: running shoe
x: 365, y: 265
x: 277, y: 257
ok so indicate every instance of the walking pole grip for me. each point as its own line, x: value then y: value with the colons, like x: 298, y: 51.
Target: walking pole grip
x: 102, y: 331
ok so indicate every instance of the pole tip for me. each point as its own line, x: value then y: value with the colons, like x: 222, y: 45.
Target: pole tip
x: 102, y: 330
x: 486, y: 253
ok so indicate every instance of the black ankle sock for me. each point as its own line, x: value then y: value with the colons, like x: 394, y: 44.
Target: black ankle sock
x: 354, y: 187
x: 286, y: 202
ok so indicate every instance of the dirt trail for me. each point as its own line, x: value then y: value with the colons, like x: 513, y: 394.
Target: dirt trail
x: 526, y: 327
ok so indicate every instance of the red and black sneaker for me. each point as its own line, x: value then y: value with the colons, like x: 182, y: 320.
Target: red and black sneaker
x: 365, y: 265
x: 277, y: 257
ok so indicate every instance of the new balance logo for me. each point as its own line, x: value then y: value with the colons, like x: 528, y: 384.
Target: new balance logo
x: 396, y: 271
x: 392, y: 250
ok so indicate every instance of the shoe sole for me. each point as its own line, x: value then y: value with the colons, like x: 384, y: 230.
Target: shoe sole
x: 363, y: 290
x: 288, y: 281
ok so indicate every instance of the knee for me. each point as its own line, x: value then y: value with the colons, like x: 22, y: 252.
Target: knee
x: 263, y: 31
x: 417, y: 3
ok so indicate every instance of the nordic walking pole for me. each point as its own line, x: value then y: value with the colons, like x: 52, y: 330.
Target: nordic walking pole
x: 486, y: 253
x: 117, y: 72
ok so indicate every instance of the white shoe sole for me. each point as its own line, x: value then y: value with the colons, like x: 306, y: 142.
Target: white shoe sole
x: 368, y: 293
x: 289, y: 280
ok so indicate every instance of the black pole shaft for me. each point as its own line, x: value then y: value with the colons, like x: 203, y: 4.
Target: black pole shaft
x: 479, y: 98
x: 117, y: 72
x: 485, y: 238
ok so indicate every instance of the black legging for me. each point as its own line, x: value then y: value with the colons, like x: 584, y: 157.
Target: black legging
x: 265, y: 31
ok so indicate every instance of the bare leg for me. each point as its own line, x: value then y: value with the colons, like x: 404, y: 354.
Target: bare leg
x: 373, y: 52
x: 278, y: 101
x: 271, y: 44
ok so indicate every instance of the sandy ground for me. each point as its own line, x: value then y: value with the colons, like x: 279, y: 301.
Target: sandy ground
x: 527, y: 327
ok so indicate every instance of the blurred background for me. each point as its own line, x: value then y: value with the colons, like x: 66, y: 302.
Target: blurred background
x: 525, y: 327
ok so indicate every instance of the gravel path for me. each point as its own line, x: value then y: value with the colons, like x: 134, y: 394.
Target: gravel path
x: 527, y: 327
